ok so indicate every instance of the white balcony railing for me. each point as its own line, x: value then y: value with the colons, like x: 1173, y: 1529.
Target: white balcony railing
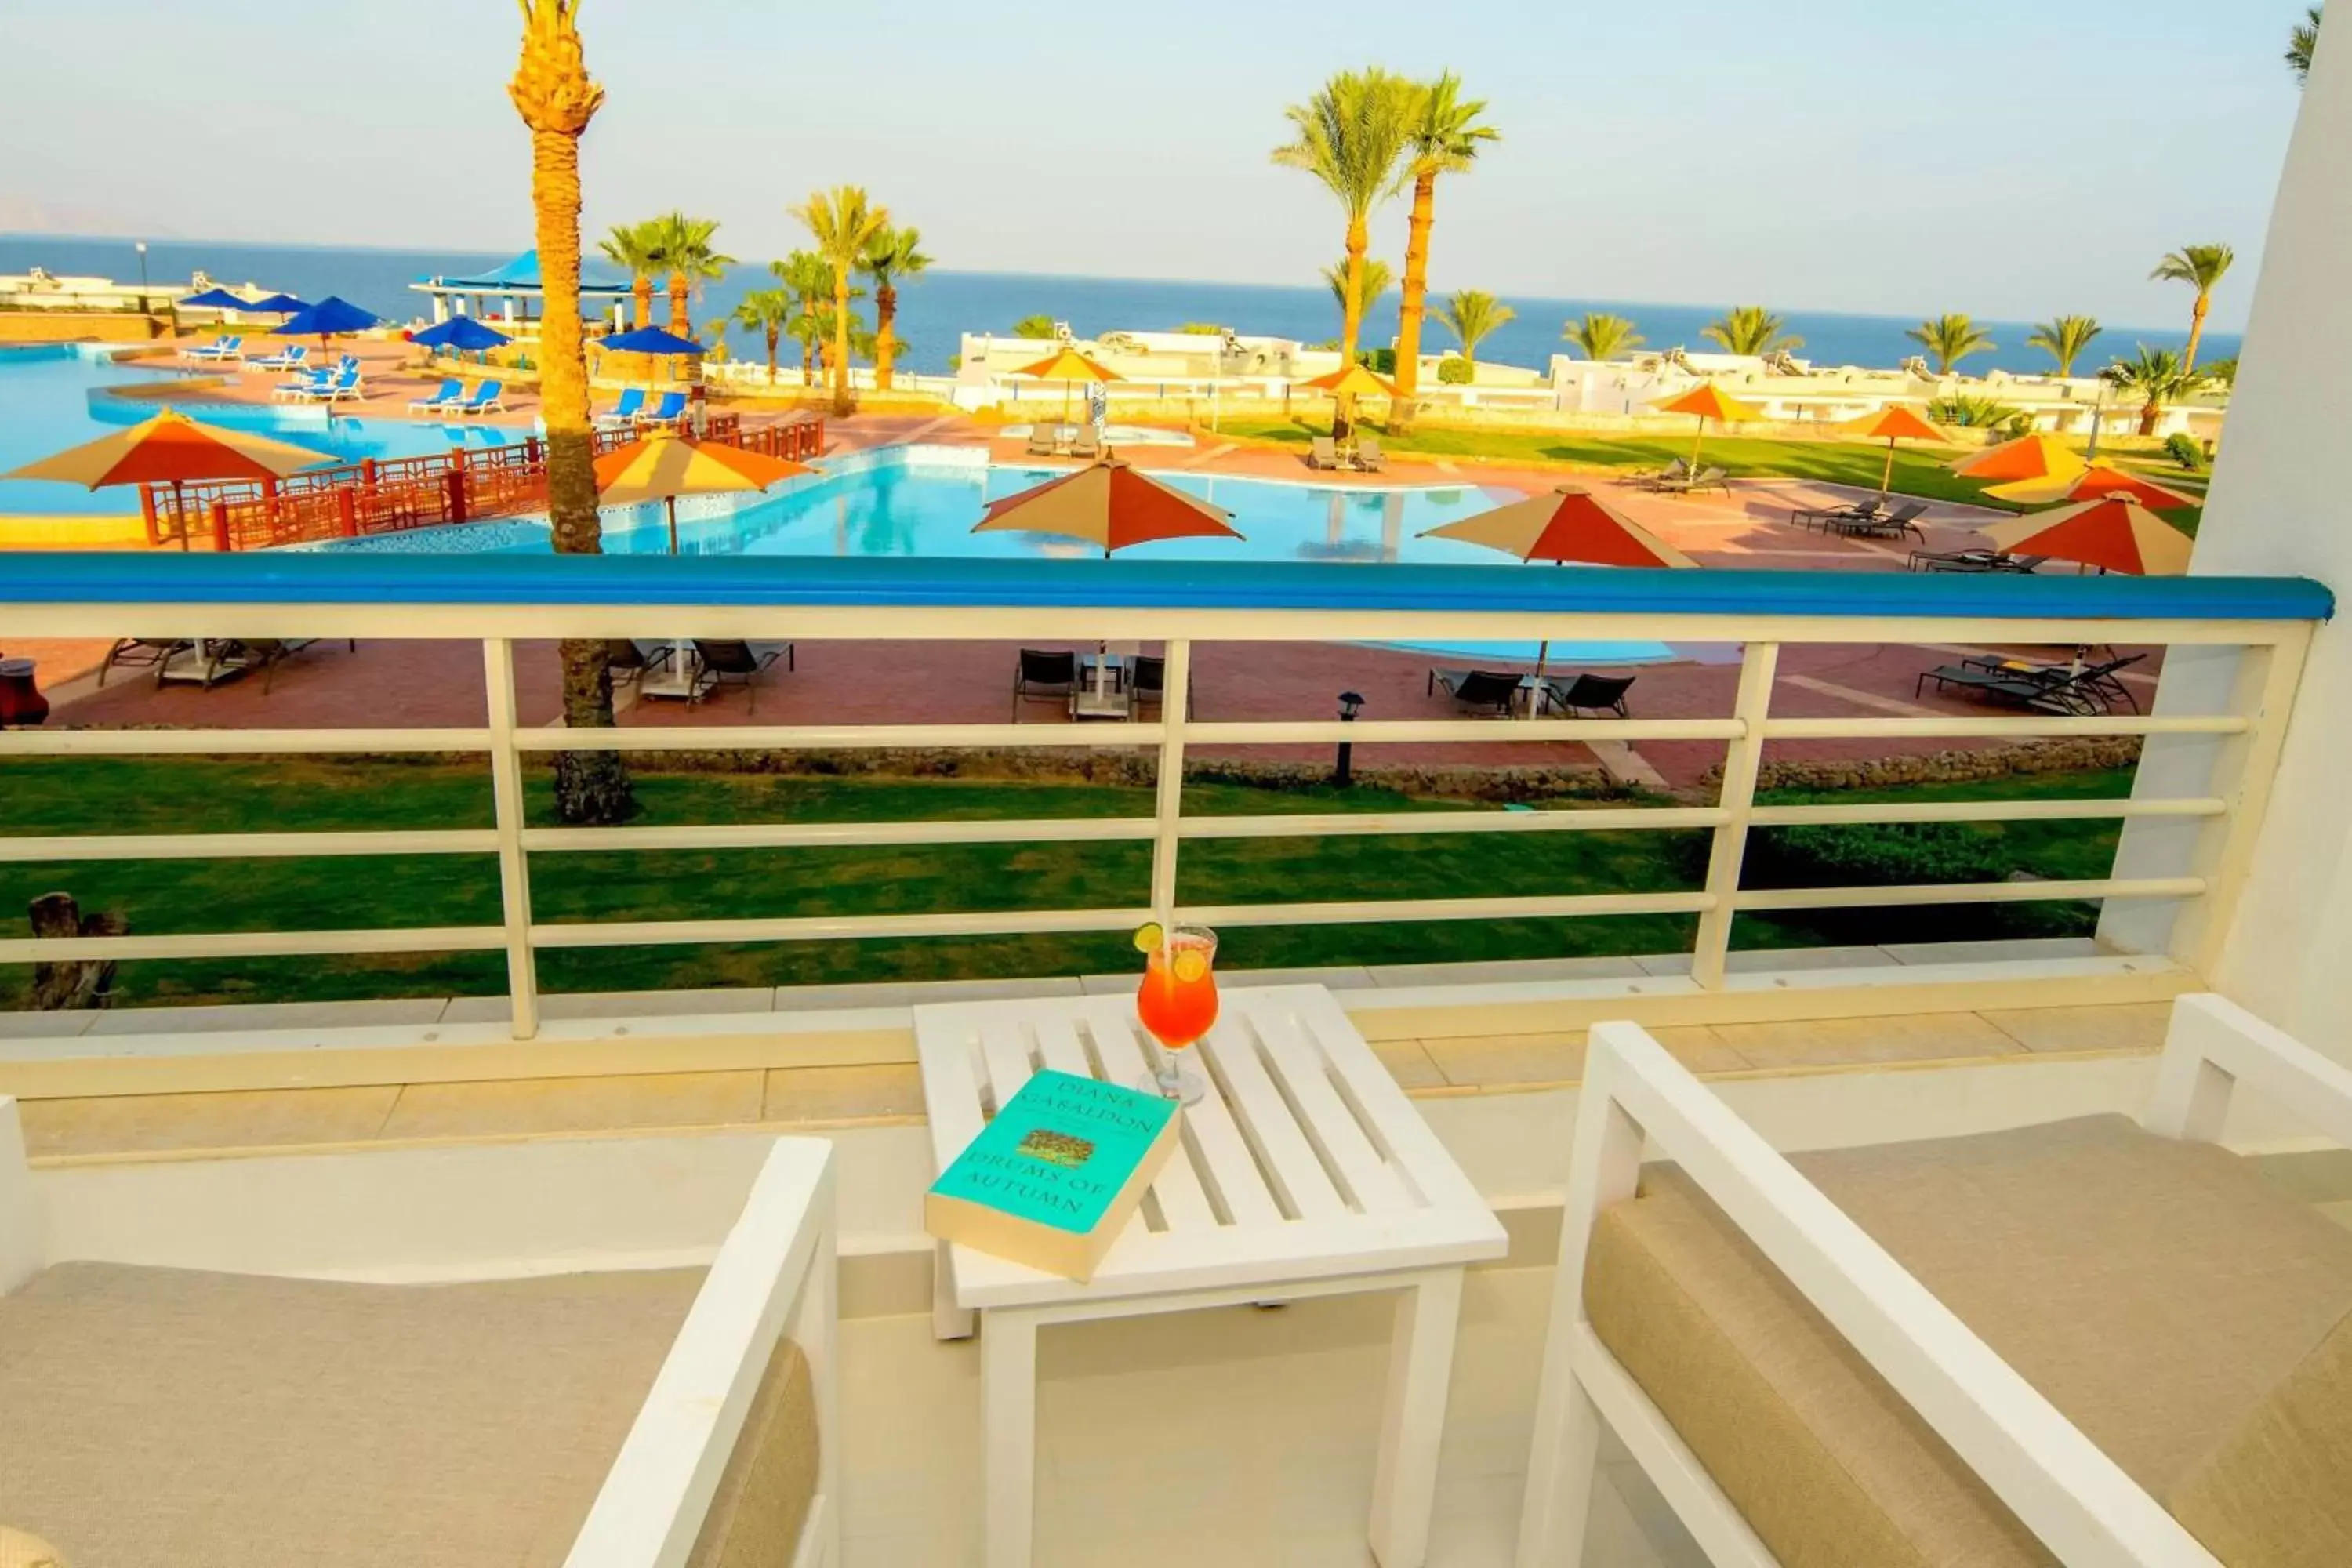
x: 2263, y: 625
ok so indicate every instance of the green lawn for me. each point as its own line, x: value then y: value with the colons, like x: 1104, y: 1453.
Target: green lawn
x: 1919, y: 471
x: 119, y: 795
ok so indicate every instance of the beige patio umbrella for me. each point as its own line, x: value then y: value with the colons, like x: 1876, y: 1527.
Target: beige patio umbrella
x: 1069, y: 367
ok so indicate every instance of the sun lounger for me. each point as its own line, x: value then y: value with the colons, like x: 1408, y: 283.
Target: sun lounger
x: 295, y: 356
x: 1974, y: 561
x: 724, y: 662
x: 1324, y: 453
x: 1484, y: 690
x: 488, y: 399
x: 141, y: 653
x: 1653, y: 478
x: 343, y: 384
x: 628, y: 661
x: 1041, y: 441
x: 632, y: 404
x: 1045, y: 675
x: 2050, y: 689
x: 220, y: 348
x: 1590, y: 694
x: 1086, y: 443
x: 668, y: 409
x: 1903, y: 519
x: 1368, y: 456
x: 451, y: 394
x: 1811, y: 516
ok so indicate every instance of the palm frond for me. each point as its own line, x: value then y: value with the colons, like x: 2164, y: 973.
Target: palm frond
x: 1603, y: 336
x: 1751, y: 329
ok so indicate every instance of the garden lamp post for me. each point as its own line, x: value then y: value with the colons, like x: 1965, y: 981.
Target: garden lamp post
x: 1350, y: 704
x: 142, y: 247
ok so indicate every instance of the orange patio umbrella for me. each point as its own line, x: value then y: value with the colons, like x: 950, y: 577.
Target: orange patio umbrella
x: 173, y: 450
x: 666, y: 465
x: 2114, y: 534
x: 1895, y: 422
x: 1708, y: 402
x: 2096, y: 483
x: 1349, y: 382
x: 1107, y: 503
x: 2027, y: 457
x: 1570, y: 524
x: 1069, y: 367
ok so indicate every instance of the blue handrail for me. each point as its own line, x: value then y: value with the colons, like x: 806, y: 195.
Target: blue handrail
x: 99, y: 578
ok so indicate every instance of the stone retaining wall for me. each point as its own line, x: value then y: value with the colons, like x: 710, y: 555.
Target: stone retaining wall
x: 1957, y: 766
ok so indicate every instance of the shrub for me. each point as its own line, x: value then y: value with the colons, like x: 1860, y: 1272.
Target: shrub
x: 1380, y: 362
x: 1455, y: 371
x: 1874, y: 855
x: 1973, y: 413
x: 2186, y: 450
x: 1202, y: 329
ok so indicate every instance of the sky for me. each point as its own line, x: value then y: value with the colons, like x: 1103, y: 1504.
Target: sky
x: 2013, y: 159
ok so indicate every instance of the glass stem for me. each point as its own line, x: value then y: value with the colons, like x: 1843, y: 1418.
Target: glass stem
x: 1171, y: 1078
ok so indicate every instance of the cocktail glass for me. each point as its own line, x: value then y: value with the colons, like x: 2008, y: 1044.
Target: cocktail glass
x: 1178, y: 1003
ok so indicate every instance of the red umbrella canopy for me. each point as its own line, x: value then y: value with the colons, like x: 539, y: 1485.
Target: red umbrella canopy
x: 1570, y: 524
x: 171, y: 448
x: 2114, y: 533
x: 1109, y: 504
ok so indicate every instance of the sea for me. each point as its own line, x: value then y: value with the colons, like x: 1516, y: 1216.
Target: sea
x: 938, y: 305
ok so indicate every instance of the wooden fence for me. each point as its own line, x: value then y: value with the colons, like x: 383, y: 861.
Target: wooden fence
x: 389, y: 495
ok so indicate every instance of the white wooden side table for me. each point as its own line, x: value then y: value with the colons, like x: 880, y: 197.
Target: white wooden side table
x: 1304, y: 1171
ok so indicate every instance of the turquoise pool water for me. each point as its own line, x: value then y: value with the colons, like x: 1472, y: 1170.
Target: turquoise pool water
x: 52, y: 397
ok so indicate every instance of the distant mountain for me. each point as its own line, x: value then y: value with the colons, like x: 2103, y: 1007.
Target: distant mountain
x: 25, y: 214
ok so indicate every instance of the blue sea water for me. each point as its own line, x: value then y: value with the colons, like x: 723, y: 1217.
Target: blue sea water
x: 55, y: 397
x: 937, y: 306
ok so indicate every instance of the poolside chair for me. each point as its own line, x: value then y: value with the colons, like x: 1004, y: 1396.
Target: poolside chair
x: 1368, y: 456
x: 1590, y: 694
x: 1484, y: 691
x: 220, y: 348
x: 452, y: 394
x: 1810, y: 516
x: 1674, y: 473
x: 1085, y: 442
x: 1324, y: 453
x: 668, y: 409
x: 488, y: 399
x: 294, y: 356
x: 203, y: 351
x: 1713, y: 479
x: 730, y: 662
x: 1903, y: 519
x: 2051, y: 688
x: 1041, y: 441
x: 1147, y: 685
x: 343, y: 384
x: 632, y: 402
x: 627, y: 661
x: 141, y: 653
x: 1044, y: 676
x: 1974, y: 561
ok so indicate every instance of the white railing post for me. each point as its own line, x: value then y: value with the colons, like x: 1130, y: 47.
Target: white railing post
x: 1168, y: 808
x: 1741, y: 760
x: 514, y: 866
x: 2242, y: 775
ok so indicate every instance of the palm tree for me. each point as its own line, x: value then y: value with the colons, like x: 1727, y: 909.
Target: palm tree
x: 556, y: 97
x: 2064, y: 338
x: 767, y: 312
x: 2159, y: 375
x: 1445, y: 134
x: 1751, y: 329
x: 634, y: 248
x: 2300, y: 42
x: 1373, y: 283
x: 810, y: 280
x: 1470, y: 316
x: 1349, y: 136
x: 1950, y: 339
x: 682, y: 248
x: 891, y: 255
x: 1603, y: 336
x: 1038, y: 326
x: 842, y: 223
x: 2202, y: 267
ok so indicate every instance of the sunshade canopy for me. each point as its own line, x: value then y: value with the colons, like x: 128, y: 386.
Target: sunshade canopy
x: 2096, y: 483
x: 330, y: 315
x: 1352, y: 381
x: 1708, y: 402
x: 279, y: 305
x: 1570, y: 523
x: 667, y: 464
x: 2027, y: 457
x: 651, y: 340
x: 2113, y: 533
x: 215, y: 299
x: 1895, y: 422
x: 171, y: 448
x: 1069, y: 364
x: 462, y: 332
x: 1108, y: 504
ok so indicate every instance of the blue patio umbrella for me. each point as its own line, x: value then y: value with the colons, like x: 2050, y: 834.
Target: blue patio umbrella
x: 324, y: 319
x: 215, y: 299
x: 279, y: 305
x: 651, y: 340
x: 461, y: 332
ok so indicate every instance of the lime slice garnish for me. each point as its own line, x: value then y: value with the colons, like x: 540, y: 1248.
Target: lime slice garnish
x: 1192, y: 964
x: 1148, y: 936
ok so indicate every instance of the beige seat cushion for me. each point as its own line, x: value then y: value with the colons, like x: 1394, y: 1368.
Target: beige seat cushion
x: 2157, y: 1293
x: 153, y: 1417
x: 2278, y: 1492
x: 18, y: 1549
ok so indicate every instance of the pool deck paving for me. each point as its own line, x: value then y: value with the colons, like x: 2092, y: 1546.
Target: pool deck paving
x: 436, y: 683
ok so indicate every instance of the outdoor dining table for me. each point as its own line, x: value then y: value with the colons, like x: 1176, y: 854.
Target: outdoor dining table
x: 1303, y: 1171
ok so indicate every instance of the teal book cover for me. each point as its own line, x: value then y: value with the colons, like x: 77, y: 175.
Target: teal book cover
x: 1053, y: 1179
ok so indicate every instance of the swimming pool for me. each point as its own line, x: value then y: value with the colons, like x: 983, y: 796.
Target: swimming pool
x: 54, y: 396
x: 923, y: 500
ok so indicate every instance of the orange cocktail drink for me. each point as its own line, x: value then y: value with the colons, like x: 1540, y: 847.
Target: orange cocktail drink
x: 1178, y: 1001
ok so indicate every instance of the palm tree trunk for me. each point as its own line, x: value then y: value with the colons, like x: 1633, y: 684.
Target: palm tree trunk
x: 641, y: 291
x: 678, y: 289
x: 1351, y: 321
x: 592, y: 788
x: 840, y: 339
x: 775, y: 335
x: 2196, y: 329
x: 885, y: 345
x: 1416, y: 300
x: 2149, y: 412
